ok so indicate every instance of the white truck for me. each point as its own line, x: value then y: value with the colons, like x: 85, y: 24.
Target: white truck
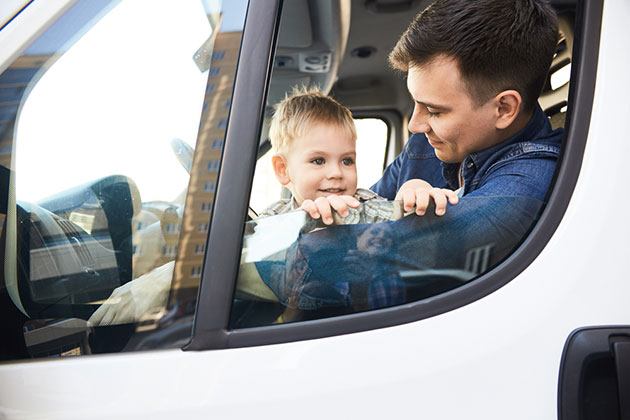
x: 134, y: 155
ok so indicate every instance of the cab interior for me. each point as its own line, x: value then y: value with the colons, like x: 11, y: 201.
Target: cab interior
x: 349, y: 41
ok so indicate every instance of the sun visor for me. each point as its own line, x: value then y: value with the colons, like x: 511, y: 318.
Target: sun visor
x: 296, y: 30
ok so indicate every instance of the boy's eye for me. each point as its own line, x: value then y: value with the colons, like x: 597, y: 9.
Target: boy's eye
x: 347, y: 161
x: 318, y: 161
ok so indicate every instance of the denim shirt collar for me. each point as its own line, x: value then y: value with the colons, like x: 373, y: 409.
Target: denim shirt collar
x: 474, y: 162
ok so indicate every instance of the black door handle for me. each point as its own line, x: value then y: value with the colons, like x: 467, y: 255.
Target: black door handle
x: 621, y: 350
x: 594, y: 378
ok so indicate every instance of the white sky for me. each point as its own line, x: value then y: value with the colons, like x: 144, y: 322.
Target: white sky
x: 113, y: 103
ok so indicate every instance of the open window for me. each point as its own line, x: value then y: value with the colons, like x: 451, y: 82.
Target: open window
x: 312, y: 272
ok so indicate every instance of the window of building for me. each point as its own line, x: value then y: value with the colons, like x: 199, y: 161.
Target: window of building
x: 169, y: 250
x: 210, y: 186
x: 172, y: 228
x: 213, y: 165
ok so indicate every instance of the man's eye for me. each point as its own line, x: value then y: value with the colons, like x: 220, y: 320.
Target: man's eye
x: 318, y: 161
x: 347, y: 161
x: 433, y: 113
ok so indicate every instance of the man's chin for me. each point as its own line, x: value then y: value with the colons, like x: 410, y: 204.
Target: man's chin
x: 446, y: 157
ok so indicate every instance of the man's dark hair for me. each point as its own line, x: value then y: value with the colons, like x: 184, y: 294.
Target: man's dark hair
x: 497, y: 44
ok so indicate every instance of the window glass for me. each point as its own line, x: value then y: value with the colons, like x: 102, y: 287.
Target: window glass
x: 297, y: 268
x: 371, y: 148
x: 112, y: 141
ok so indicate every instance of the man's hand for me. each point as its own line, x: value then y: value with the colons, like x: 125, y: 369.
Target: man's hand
x: 419, y: 193
x: 323, y: 207
x: 130, y: 302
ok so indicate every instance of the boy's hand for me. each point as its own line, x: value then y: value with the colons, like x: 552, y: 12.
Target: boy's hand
x: 323, y: 206
x: 419, y: 193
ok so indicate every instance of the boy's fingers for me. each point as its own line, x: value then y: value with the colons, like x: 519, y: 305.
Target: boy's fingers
x: 310, y: 207
x: 439, y: 196
x: 339, y: 204
x: 422, y: 201
x: 323, y: 206
x: 350, y: 200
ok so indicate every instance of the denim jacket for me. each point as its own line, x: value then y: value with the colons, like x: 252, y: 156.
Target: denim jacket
x: 521, y: 166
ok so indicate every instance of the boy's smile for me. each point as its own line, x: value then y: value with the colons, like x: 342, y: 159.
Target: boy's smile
x: 445, y: 112
x: 321, y: 163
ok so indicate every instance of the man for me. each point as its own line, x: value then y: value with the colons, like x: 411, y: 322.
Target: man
x: 475, y: 71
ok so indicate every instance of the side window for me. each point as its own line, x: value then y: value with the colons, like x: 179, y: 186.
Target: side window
x: 297, y: 268
x: 372, y: 136
x: 112, y: 134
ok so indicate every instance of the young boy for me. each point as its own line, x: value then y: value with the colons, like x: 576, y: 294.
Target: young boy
x: 314, y: 140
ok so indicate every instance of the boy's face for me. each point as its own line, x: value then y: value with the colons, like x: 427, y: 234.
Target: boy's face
x: 319, y: 163
x: 444, y: 111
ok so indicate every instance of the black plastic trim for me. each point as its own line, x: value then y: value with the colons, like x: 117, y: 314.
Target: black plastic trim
x: 227, y: 224
x: 235, y: 178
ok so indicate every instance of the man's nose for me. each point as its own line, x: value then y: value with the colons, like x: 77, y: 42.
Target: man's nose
x: 419, y: 123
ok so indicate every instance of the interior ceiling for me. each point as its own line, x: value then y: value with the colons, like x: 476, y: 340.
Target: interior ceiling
x: 365, y: 83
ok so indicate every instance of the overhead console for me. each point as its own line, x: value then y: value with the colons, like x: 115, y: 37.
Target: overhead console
x: 312, y: 39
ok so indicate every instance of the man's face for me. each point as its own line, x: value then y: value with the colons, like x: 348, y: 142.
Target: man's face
x: 444, y: 111
x: 322, y: 163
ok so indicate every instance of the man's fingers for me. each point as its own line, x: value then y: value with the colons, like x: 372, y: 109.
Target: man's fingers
x: 453, y: 198
x: 439, y: 197
x: 408, y: 199
x: 97, y: 317
x: 108, y: 316
x: 422, y: 201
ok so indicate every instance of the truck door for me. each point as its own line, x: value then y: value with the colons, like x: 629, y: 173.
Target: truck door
x: 136, y: 274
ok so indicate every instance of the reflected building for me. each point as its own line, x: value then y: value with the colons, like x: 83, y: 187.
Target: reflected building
x: 205, y: 167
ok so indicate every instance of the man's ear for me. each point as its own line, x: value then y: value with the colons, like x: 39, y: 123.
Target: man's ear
x: 508, y: 106
x: 280, y: 168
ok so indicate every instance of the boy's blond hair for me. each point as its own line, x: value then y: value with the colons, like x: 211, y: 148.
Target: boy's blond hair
x: 302, y: 108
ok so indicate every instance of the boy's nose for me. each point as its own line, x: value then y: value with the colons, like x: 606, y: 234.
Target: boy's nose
x: 334, y: 171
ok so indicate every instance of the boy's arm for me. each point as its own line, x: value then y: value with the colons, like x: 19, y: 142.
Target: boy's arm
x: 419, y: 193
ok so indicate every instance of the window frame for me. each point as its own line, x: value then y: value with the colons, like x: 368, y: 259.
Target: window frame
x: 222, y: 259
